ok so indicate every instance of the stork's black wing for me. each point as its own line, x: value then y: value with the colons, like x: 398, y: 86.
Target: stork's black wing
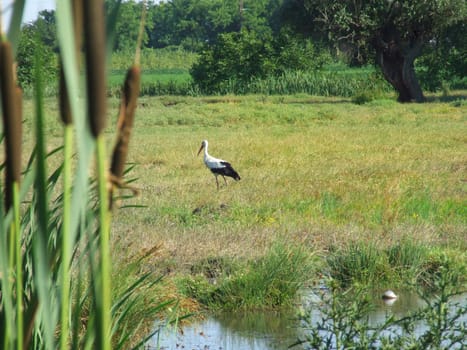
x: 227, y: 170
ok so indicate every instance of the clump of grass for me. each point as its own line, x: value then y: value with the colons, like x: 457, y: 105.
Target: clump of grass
x: 406, y: 262
x: 271, y: 281
x: 406, y: 259
x: 155, y: 59
x: 438, y: 260
x: 363, y: 97
x: 359, y: 262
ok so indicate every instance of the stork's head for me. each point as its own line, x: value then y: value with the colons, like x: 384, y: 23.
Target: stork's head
x: 203, y: 145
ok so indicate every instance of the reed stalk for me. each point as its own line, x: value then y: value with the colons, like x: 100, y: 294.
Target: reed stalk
x: 19, y: 267
x: 43, y: 254
x: 94, y: 36
x: 67, y: 241
x: 11, y: 105
x: 95, y: 44
x: 67, y: 244
x: 105, y: 295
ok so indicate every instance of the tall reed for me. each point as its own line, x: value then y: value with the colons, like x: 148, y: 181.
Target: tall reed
x: 55, y: 266
x: 11, y: 112
x: 67, y: 119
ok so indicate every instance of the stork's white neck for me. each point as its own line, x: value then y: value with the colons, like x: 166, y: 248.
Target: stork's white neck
x: 206, y: 154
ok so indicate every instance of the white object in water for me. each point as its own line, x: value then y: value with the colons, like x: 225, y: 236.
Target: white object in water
x: 389, y: 294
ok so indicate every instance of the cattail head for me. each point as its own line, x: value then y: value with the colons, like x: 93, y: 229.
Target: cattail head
x: 94, y: 41
x: 64, y: 102
x: 11, y: 104
x: 126, y: 119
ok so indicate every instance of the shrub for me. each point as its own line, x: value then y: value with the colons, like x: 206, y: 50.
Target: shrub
x: 245, y: 56
x: 30, y: 50
x: 239, y: 56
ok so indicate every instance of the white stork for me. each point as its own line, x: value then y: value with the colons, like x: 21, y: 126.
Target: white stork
x: 218, y: 166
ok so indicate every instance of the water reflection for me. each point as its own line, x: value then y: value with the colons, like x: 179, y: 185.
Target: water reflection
x: 407, y: 302
x: 269, y: 330
x: 228, y: 331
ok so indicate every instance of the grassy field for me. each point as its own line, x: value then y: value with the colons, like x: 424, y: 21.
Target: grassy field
x: 316, y: 170
x: 321, y: 174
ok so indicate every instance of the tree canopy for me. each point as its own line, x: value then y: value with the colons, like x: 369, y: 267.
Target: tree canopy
x: 393, y: 33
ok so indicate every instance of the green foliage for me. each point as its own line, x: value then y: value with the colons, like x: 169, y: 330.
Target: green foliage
x: 30, y: 45
x: 363, y: 97
x: 408, y: 258
x: 240, y: 59
x: 391, y: 34
x: 362, y: 25
x: 192, y: 23
x: 344, y: 321
x: 169, y: 58
x: 45, y: 28
x: 128, y: 23
x: 360, y: 262
x: 326, y: 82
x: 197, y: 26
x: 235, y: 56
x: 445, y: 59
x: 296, y: 53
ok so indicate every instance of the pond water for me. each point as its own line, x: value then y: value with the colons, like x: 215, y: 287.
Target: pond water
x: 265, y: 330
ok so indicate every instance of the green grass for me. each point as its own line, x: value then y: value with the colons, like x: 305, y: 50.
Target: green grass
x: 155, y: 59
x: 155, y: 82
x: 365, y: 85
x: 405, y: 264
x: 321, y: 171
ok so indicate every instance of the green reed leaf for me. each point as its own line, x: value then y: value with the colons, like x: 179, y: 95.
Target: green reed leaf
x: 15, y: 23
x: 85, y: 144
x: 43, y: 276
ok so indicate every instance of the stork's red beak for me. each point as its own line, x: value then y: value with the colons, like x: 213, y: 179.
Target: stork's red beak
x: 200, y: 149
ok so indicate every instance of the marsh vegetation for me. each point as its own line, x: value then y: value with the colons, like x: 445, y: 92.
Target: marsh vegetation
x: 340, y: 183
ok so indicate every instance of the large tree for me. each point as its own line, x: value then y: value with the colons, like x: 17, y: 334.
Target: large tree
x: 393, y: 32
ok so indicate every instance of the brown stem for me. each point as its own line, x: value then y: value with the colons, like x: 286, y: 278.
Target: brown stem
x: 12, y: 109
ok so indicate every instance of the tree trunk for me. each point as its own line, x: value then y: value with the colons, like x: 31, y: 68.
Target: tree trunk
x: 396, y: 60
x: 408, y: 72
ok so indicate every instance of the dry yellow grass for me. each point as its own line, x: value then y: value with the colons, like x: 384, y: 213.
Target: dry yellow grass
x: 317, y: 171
